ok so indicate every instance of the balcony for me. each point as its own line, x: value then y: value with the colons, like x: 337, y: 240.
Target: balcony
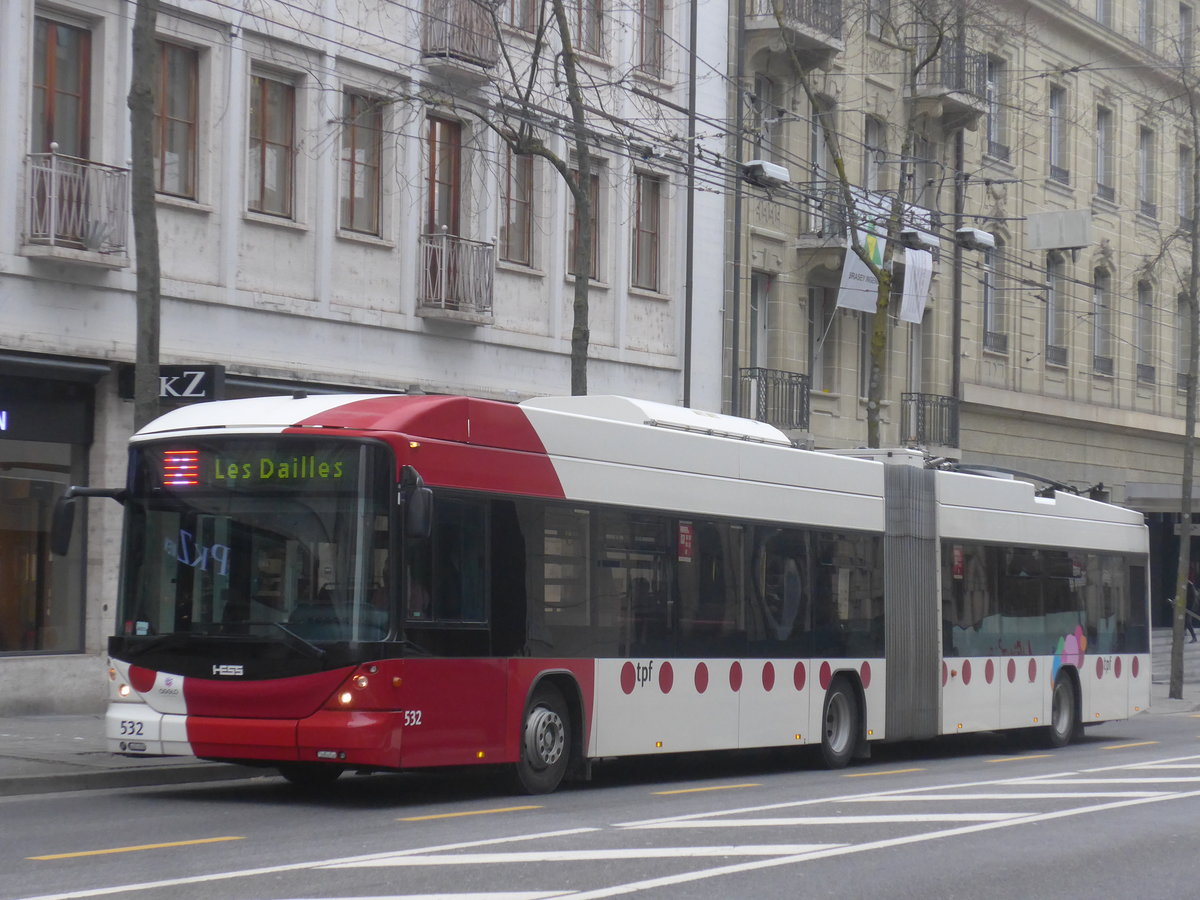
x: 929, y: 420
x: 812, y: 27
x: 76, y: 209
x: 953, y: 87
x: 456, y: 279
x: 776, y: 397
x: 459, y: 38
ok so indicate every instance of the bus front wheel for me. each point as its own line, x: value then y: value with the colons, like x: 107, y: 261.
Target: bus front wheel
x: 545, y: 741
x: 839, y: 725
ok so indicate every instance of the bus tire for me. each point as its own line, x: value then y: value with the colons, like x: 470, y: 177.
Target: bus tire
x: 839, y: 725
x: 310, y: 775
x: 545, y: 741
x: 1064, y: 713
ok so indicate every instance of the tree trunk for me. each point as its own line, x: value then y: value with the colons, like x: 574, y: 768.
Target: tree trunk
x: 145, y: 222
x: 582, y: 252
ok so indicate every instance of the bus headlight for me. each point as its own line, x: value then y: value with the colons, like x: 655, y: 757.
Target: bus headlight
x: 124, y: 691
x: 345, y: 698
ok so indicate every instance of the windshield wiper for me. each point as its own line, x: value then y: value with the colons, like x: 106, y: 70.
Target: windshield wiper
x: 308, y: 648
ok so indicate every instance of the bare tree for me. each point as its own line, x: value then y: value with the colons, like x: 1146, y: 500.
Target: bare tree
x: 930, y: 41
x: 530, y: 82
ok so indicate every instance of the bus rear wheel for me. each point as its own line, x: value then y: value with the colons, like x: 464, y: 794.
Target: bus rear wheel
x: 545, y: 741
x: 310, y: 775
x: 839, y: 725
x: 1064, y: 713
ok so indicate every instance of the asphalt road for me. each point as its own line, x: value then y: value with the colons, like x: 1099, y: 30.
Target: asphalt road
x: 1116, y: 814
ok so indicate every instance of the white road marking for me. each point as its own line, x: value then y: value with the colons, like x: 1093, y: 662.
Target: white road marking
x: 475, y: 859
x: 1189, y: 779
x: 839, y: 820
x: 1040, y: 795
x: 296, y: 867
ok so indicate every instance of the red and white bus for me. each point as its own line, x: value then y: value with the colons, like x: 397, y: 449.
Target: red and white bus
x: 376, y: 583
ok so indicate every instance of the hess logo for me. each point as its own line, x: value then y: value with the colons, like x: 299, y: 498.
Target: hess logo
x: 228, y: 669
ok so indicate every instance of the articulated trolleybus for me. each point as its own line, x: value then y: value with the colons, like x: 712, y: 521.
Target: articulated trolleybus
x: 380, y: 583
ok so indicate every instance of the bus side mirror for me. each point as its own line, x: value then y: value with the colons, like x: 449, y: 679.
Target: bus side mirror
x: 62, y: 524
x: 417, y: 501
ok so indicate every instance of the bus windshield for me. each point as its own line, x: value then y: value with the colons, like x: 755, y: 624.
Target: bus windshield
x: 254, y: 536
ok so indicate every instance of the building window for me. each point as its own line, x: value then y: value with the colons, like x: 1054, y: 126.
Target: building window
x: 879, y: 14
x: 1147, y: 199
x: 516, y: 226
x: 587, y: 19
x: 1056, y: 310
x: 995, y: 330
x: 271, y: 168
x: 647, y: 231
x: 175, y: 120
x: 1057, y: 136
x: 1186, y: 197
x: 1104, y: 12
x: 927, y: 174
x: 768, y: 115
x: 61, y: 88
x: 1102, y: 323
x: 1145, y: 23
x: 822, y: 339
x: 1187, y: 34
x: 443, y: 175
x: 874, y: 153
x: 1104, y: 154
x: 1183, y: 339
x: 362, y: 148
x: 997, y: 124
x: 523, y: 14
x: 651, y: 37
x: 594, y: 195
x: 1143, y: 333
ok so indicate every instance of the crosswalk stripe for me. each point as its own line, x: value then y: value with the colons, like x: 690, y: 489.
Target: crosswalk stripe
x: 838, y: 820
x: 548, y: 856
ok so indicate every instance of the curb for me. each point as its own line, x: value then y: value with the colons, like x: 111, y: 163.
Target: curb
x: 58, y: 782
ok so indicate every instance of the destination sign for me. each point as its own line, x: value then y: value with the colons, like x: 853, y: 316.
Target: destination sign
x: 258, y: 464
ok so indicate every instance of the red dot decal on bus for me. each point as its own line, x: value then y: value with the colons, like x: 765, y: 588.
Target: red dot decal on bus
x: 864, y: 672
x: 141, y: 680
x: 666, y: 678
x: 1032, y: 671
x: 628, y: 678
x: 768, y: 676
x: 945, y: 674
x: 826, y: 676
x: 735, y: 676
x: 1099, y: 667
x: 966, y: 671
x: 800, y: 676
x: 989, y: 671
x: 701, y: 678
x: 1134, y: 667
x: 1012, y: 671
x: 1117, y: 667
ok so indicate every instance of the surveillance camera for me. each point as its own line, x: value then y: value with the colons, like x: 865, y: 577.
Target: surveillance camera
x: 974, y: 239
x: 918, y: 240
x: 766, y: 174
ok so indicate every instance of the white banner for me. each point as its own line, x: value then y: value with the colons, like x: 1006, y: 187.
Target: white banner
x: 860, y: 288
x: 918, y: 270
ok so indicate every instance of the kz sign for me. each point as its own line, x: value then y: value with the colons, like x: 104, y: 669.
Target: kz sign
x: 182, y: 384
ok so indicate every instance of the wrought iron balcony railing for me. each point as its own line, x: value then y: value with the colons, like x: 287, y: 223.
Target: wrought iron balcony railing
x: 1146, y: 374
x: 460, y: 30
x: 776, y: 397
x: 929, y: 419
x: 457, y: 274
x: 824, y: 16
x: 76, y: 203
x: 956, y: 69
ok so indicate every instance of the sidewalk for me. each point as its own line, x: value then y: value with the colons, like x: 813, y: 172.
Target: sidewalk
x: 43, y: 754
